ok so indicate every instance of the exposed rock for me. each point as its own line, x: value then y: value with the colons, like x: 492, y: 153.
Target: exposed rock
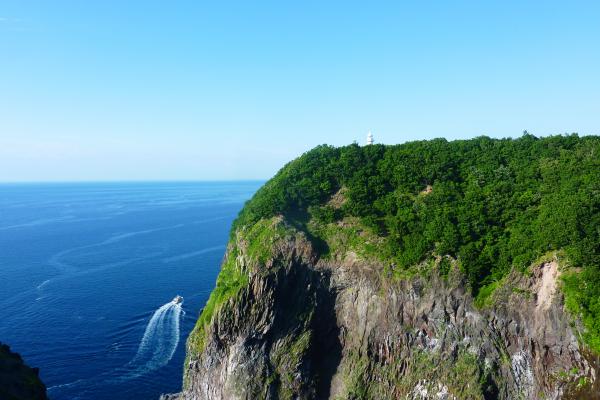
x: 17, y: 380
x: 547, y: 285
x: 428, y: 189
x: 338, y: 199
x: 308, y: 328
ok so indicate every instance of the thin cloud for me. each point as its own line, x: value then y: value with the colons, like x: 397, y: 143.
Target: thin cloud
x: 13, y: 24
x: 11, y: 20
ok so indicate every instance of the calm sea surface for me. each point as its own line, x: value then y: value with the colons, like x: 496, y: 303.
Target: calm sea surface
x: 88, y: 272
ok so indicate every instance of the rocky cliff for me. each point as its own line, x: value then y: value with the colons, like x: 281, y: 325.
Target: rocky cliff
x: 17, y: 380
x: 431, y: 270
x: 347, y: 328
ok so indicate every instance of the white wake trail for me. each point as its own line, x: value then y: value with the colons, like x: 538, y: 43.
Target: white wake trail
x: 156, y: 349
x: 159, y: 342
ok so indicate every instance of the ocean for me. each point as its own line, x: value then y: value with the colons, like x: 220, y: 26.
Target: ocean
x: 88, y: 272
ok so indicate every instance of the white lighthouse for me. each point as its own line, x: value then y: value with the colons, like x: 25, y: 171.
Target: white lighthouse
x: 369, y: 138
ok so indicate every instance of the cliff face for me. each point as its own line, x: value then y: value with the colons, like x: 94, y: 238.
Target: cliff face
x: 351, y: 275
x: 346, y: 327
x: 17, y: 380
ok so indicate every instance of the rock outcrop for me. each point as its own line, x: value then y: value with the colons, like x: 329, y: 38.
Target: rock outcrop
x: 346, y: 327
x: 17, y: 380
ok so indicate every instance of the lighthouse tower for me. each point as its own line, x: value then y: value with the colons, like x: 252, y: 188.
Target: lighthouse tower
x: 369, y: 138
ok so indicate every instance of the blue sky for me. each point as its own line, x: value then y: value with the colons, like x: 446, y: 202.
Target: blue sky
x: 153, y: 90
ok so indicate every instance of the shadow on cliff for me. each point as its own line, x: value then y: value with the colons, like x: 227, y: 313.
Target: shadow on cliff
x: 299, y: 220
x: 327, y: 348
x: 307, y: 302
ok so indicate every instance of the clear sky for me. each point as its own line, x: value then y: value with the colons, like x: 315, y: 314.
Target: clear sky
x: 153, y: 90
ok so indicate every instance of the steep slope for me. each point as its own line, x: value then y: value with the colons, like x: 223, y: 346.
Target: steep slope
x: 437, y: 270
x: 17, y: 380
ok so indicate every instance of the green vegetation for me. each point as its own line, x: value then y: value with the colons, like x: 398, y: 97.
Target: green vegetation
x: 350, y: 235
x: 463, y: 375
x: 287, y: 360
x: 229, y: 282
x: 493, y: 205
x: 484, y: 296
x: 260, y: 238
x: 257, y: 248
x: 582, y: 298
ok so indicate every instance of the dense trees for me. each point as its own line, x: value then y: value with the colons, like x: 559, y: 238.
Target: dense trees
x: 493, y: 204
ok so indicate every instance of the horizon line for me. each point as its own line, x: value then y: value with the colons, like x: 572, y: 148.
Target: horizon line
x: 82, y: 181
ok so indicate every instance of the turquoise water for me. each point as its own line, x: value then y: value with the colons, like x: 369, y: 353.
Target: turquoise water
x: 88, y: 272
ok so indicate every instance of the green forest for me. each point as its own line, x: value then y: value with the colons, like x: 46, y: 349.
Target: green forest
x: 493, y: 204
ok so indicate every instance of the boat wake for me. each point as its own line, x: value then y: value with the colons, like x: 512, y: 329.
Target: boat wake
x: 160, y: 339
x: 155, y: 350
x: 159, y: 342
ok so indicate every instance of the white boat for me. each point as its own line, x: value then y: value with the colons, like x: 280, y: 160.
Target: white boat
x: 178, y: 299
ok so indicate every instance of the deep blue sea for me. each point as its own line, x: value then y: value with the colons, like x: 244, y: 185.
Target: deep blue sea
x: 88, y: 272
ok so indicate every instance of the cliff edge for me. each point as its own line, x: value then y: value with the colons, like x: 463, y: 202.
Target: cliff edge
x: 17, y: 380
x: 430, y: 270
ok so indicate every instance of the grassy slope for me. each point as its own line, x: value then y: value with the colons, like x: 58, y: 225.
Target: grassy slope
x: 493, y: 205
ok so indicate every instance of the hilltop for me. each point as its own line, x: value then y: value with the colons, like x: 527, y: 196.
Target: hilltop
x: 463, y: 269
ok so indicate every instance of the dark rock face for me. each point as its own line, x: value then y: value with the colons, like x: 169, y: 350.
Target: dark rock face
x: 305, y: 328
x: 17, y: 380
